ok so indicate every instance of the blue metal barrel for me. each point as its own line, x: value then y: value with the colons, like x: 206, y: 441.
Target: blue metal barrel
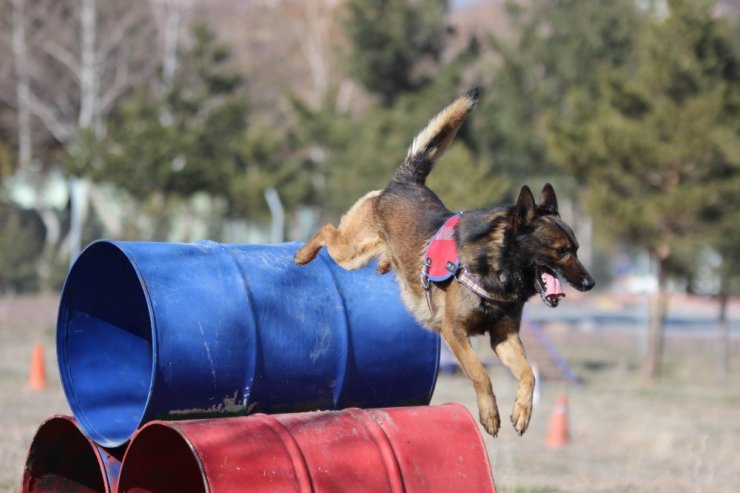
x: 172, y: 331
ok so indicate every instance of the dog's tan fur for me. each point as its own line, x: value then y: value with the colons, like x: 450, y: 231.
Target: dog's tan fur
x: 506, y: 247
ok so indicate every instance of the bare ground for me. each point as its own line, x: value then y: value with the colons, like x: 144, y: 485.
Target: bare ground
x: 681, y: 434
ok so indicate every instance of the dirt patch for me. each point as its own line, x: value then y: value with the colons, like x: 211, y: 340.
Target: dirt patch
x: 25, y: 322
x: 626, y: 436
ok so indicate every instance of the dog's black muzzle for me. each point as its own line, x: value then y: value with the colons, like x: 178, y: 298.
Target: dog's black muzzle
x: 578, y: 277
x: 586, y: 284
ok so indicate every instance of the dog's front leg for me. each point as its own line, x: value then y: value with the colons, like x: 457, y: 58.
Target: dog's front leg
x: 511, y: 353
x: 457, y: 339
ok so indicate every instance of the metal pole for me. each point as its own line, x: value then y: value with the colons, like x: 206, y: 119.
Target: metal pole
x: 277, y: 233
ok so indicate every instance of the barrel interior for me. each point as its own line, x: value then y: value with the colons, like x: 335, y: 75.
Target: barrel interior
x: 104, y: 344
x: 160, y: 459
x: 62, y: 459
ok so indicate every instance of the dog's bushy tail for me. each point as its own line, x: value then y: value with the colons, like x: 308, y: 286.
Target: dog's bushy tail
x: 431, y: 142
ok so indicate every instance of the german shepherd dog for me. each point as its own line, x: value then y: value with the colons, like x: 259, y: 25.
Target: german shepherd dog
x: 509, y: 253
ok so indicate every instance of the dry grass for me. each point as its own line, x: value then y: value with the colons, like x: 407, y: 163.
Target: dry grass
x: 679, y: 435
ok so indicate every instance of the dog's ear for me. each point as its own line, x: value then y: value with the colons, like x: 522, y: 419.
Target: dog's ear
x: 524, y: 208
x: 548, y: 199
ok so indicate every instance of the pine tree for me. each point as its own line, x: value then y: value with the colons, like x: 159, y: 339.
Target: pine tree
x: 188, y: 139
x: 349, y: 155
x: 659, y: 148
x: 391, y: 40
x: 556, y: 48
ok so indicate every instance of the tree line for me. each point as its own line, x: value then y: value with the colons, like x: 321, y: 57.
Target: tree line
x: 630, y: 108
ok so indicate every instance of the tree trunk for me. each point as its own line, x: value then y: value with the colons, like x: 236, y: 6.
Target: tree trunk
x: 174, y: 12
x: 53, y: 228
x: 724, y: 332
x: 652, y: 365
x: 23, y: 91
x: 88, y: 68
x: 79, y: 202
x: 316, y: 48
x: 171, y: 35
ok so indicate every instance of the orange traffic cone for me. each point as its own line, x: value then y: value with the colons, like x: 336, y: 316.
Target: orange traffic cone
x: 37, y: 373
x: 558, y: 435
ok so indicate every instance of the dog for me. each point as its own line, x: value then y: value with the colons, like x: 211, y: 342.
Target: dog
x: 492, y: 260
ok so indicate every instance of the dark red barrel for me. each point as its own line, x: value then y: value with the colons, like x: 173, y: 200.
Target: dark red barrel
x: 404, y: 449
x: 61, y: 458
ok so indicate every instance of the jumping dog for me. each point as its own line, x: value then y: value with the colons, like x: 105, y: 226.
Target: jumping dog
x: 461, y: 274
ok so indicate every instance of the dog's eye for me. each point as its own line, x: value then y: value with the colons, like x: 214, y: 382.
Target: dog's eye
x: 562, y: 251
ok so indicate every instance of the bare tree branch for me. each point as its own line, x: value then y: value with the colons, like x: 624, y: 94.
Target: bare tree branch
x: 64, y: 56
x: 61, y: 130
x: 121, y: 84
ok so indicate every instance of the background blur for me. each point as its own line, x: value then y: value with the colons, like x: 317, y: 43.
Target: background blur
x: 259, y: 120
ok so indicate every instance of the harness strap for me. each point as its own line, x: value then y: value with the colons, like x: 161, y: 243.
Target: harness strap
x: 426, y: 284
x: 462, y: 276
x: 467, y: 280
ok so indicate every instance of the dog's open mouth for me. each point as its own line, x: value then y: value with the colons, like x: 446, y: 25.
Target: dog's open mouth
x: 548, y: 285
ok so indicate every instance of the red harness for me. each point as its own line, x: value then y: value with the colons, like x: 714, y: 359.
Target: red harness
x: 441, y: 254
x: 442, y: 262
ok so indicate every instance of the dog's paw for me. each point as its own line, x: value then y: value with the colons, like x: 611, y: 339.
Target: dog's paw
x: 383, y: 267
x: 304, y: 256
x: 520, y: 416
x: 490, y: 419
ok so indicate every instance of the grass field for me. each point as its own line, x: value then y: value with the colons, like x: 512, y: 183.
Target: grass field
x: 681, y: 435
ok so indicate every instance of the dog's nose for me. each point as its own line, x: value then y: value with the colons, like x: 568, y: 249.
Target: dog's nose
x: 587, y: 283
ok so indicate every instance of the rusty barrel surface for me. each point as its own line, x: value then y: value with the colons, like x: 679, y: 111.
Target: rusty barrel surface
x: 173, y: 331
x: 405, y: 449
x: 61, y: 458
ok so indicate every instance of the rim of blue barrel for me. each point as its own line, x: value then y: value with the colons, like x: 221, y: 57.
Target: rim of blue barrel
x: 130, y: 328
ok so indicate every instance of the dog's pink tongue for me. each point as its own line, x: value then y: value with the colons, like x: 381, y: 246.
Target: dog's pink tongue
x: 553, y: 286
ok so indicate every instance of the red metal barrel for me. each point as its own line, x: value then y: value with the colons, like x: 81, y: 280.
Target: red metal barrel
x: 61, y: 458
x: 406, y: 449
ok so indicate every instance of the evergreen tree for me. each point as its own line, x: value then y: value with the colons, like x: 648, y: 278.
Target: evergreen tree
x: 21, y: 244
x: 165, y: 147
x: 659, y: 148
x: 391, y: 40
x: 187, y: 140
x: 347, y: 156
x: 557, y: 47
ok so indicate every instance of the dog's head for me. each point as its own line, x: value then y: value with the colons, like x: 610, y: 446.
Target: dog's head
x: 549, y: 246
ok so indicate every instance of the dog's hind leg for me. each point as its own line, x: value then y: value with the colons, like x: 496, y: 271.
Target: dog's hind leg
x: 326, y: 235
x: 354, y: 244
x: 459, y: 343
x: 511, y: 353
